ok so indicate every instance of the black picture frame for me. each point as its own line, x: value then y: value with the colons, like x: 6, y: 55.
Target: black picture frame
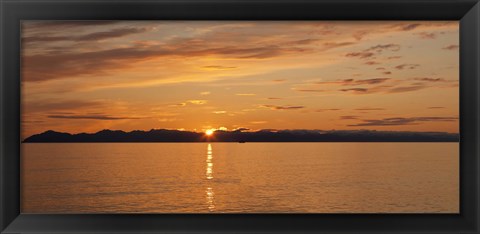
x: 12, y: 12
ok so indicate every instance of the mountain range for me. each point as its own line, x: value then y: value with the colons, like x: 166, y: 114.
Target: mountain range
x: 242, y: 135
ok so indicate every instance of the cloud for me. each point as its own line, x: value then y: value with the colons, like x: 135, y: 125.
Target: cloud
x: 387, y: 73
x: 330, y: 109
x: 66, y: 24
x: 240, y: 129
x: 374, y: 50
x: 166, y: 119
x: 119, y: 32
x: 179, y: 104
x: 310, y: 90
x: 273, y: 107
x: 355, y: 90
x: 429, y: 79
x: 407, y: 66
x: 302, y: 42
x: 361, y: 55
x: 332, y: 45
x: 369, y: 109
x: 56, y: 106
x: 372, y: 63
x: 217, y: 67
x: 194, y: 102
x: 402, y: 121
x: 394, y: 57
x: 407, y: 27
x: 451, y: 47
x: 396, y: 88
x: 348, y: 117
x: 427, y: 35
x: 274, y: 98
x: 245, y: 94
x: 353, y: 82
x: 95, y: 117
x: 219, y: 112
x: 62, y: 64
x: 381, y: 47
x: 381, y: 85
x: 197, y: 102
x: 205, y: 93
x: 258, y: 122
x: 359, y: 35
x: 370, y: 81
x: 403, y: 89
x: 96, y: 36
x: 436, y: 107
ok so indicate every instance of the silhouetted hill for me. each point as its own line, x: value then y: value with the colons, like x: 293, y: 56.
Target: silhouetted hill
x: 164, y: 135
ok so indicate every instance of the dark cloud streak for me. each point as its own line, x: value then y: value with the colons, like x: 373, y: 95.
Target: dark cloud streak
x: 95, y: 117
x: 273, y: 107
x: 96, y: 36
x: 398, y: 121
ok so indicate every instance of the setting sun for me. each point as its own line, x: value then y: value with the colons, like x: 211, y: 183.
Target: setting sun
x: 209, y: 132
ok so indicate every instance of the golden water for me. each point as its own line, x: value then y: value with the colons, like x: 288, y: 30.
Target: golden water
x: 240, y: 178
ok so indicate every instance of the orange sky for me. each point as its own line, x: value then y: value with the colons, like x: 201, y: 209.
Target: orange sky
x: 85, y: 76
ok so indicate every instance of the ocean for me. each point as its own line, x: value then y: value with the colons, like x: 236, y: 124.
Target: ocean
x: 240, y: 178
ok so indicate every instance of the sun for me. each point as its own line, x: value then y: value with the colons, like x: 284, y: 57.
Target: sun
x: 209, y: 132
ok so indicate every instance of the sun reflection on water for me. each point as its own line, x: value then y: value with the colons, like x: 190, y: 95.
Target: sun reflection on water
x: 210, y: 195
x: 209, y: 172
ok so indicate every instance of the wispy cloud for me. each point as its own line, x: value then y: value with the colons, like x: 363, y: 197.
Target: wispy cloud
x: 274, y: 107
x: 37, y: 67
x: 381, y: 47
x: 95, y: 117
x: 96, y: 36
x: 374, y: 50
x: 349, y: 117
x: 430, y: 79
x: 369, y: 109
x: 407, y: 27
x: 407, y: 66
x: 403, y: 121
x: 219, y: 112
x: 332, y: 45
x: 427, y: 35
x: 355, y: 90
x: 362, y: 55
x: 197, y: 102
x: 310, y: 90
x: 393, y: 57
x: 56, y: 106
x: 245, y: 94
x: 354, y: 82
x: 256, y: 122
x: 451, y: 47
x: 67, y: 24
x: 372, y: 63
x: 328, y: 109
x: 403, y: 89
x: 218, y: 67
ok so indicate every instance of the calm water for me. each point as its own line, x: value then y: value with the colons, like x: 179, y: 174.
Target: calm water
x: 245, y: 178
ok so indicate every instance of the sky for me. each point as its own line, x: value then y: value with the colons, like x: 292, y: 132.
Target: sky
x: 86, y: 76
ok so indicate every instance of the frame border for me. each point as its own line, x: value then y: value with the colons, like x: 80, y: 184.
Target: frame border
x: 13, y: 11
